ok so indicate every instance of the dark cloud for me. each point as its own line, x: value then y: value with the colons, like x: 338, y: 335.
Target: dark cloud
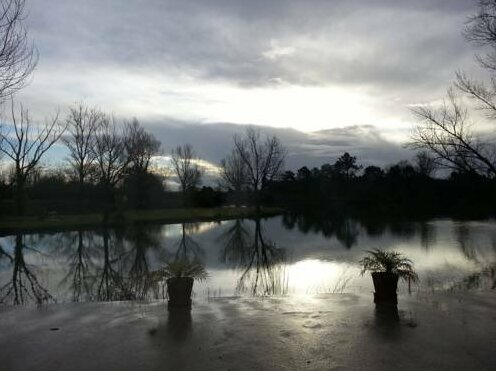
x: 214, y: 141
x: 394, y: 53
x: 392, y: 43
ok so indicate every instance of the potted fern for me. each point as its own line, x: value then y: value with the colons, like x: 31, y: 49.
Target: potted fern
x: 386, y: 268
x: 180, y: 276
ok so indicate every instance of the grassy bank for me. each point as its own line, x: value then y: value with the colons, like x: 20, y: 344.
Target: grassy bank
x: 11, y: 225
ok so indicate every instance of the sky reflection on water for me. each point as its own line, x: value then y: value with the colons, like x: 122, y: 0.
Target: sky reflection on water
x: 277, y: 256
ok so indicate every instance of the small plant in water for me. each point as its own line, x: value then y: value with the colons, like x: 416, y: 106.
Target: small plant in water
x: 391, y: 262
x: 182, y: 268
x: 180, y: 275
x: 387, y: 267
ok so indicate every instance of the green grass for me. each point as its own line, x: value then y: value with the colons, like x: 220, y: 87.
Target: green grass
x: 11, y: 225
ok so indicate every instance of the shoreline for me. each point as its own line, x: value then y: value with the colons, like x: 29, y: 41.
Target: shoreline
x: 56, y: 223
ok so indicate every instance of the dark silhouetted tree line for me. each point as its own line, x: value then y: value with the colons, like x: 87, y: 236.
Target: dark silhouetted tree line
x: 402, y: 188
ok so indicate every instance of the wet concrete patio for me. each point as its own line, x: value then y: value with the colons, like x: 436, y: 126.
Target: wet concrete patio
x: 448, y: 331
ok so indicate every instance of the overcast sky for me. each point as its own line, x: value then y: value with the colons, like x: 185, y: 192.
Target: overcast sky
x: 327, y: 76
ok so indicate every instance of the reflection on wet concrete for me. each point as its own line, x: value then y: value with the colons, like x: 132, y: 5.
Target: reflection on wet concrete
x: 386, y: 315
x: 179, y: 324
x: 176, y: 329
x: 390, y: 323
x: 278, y: 333
x: 485, y: 279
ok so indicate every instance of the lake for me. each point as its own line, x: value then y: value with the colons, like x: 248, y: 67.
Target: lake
x: 291, y: 254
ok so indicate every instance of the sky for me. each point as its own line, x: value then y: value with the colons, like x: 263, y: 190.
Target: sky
x: 325, y: 76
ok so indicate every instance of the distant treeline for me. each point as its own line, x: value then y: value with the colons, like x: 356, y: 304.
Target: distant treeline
x: 344, y: 187
x: 404, y: 189
x: 55, y: 193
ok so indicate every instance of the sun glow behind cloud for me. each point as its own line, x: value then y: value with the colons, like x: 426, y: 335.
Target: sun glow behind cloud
x: 146, y: 95
x: 307, y: 65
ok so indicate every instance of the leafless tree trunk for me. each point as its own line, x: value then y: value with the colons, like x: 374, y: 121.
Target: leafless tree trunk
x: 82, y: 125
x: 25, y: 145
x: 110, y: 152
x: 184, y: 163
x: 110, y: 156
x: 264, y: 160
x: 141, y: 146
x: 18, y: 57
x: 233, y: 173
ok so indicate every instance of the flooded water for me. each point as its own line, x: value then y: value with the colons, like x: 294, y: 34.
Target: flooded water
x: 283, y: 255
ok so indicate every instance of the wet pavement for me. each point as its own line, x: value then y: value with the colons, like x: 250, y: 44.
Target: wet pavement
x: 443, y: 331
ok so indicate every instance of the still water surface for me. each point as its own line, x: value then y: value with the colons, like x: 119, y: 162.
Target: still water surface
x: 282, y: 255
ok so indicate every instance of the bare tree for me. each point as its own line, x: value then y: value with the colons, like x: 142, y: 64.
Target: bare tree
x: 110, y: 152
x: 18, y: 57
x: 233, y: 173
x: 141, y: 146
x: 264, y: 159
x: 184, y: 163
x: 82, y: 125
x: 25, y: 145
x: 446, y: 133
x: 425, y: 163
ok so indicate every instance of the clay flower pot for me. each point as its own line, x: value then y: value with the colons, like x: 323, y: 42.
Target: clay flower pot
x: 179, y: 292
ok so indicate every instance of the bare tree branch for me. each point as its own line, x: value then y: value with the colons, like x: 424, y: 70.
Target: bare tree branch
x: 446, y: 133
x: 264, y: 160
x: 25, y: 145
x: 184, y: 163
x: 233, y: 173
x: 82, y: 125
x: 110, y: 152
x: 141, y: 146
x: 18, y: 57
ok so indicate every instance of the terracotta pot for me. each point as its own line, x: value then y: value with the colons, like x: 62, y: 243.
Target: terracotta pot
x: 179, y: 292
x: 385, y: 285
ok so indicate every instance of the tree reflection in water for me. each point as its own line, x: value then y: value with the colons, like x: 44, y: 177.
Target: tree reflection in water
x: 262, y: 262
x: 187, y: 249
x: 345, y: 230
x: 23, y: 285
x: 112, y: 284
x: 235, y: 242
x: 427, y: 235
x: 485, y: 278
x: 142, y: 239
x: 81, y: 251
